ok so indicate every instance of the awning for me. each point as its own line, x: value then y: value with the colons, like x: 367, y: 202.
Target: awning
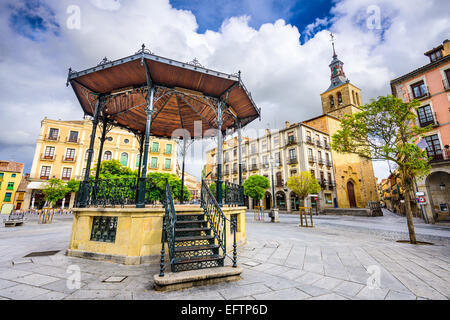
x: 36, y: 185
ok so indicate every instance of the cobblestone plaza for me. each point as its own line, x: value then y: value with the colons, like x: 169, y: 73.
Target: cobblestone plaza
x: 340, y: 258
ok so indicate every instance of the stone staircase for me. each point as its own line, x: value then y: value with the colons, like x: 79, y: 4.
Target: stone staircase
x: 195, y: 245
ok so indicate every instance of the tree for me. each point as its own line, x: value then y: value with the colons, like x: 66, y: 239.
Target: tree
x: 255, y: 186
x: 385, y: 129
x: 157, y: 193
x: 54, y: 190
x: 303, y: 184
x: 213, y: 189
x: 112, y: 169
x: 73, y: 185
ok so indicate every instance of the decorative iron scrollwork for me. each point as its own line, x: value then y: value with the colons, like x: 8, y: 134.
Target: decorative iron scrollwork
x: 104, y: 229
x: 195, y: 63
x: 143, y: 50
x: 104, y: 61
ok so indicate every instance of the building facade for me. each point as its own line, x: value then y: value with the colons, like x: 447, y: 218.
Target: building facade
x: 429, y: 85
x: 355, y: 180
x: 295, y: 148
x: 61, y: 152
x: 10, y: 177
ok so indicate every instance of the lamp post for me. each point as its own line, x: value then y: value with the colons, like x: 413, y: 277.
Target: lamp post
x: 274, y: 211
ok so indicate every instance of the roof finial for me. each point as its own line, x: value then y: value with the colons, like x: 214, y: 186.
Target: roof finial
x: 332, y: 42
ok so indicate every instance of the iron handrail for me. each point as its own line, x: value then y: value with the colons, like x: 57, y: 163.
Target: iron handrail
x: 234, y: 194
x: 168, y: 231
x: 218, y: 221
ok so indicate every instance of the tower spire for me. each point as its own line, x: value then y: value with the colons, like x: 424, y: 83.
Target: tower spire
x: 332, y: 43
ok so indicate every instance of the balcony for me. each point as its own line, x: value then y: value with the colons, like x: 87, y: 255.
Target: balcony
x: 65, y: 178
x: 44, y: 177
x: 311, y: 159
x: 291, y: 141
x: 254, y: 166
x: 52, y: 138
x: 292, y: 160
x: 309, y: 140
x: 444, y: 155
x: 427, y: 122
x: 321, y: 161
x: 322, y: 182
x: 153, y: 151
x: 244, y: 168
x: 235, y: 171
x: 226, y: 172
x: 265, y: 166
x: 319, y: 144
x: 47, y: 157
x: 68, y: 159
x: 326, y: 146
x: 329, y: 163
x: 72, y: 140
x: 331, y: 185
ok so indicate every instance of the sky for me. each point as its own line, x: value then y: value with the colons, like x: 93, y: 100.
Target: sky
x: 282, y: 48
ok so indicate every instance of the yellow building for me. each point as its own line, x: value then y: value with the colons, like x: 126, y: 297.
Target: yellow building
x: 61, y: 152
x: 10, y: 178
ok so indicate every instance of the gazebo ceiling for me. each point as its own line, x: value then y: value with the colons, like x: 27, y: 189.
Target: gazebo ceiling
x: 184, y: 93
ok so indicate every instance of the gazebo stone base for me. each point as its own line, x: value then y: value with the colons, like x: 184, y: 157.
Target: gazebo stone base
x: 194, y: 278
x: 132, y: 236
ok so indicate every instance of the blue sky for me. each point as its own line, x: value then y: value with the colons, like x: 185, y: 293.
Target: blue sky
x: 211, y: 14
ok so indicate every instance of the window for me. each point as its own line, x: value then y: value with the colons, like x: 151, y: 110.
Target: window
x: 66, y: 173
x: 168, y: 149
x: 49, y: 152
x: 277, y: 159
x: 126, y: 141
x: 425, y: 116
x: 109, y: 139
x: 10, y: 186
x: 419, y: 89
x: 154, y: 163
x: 7, y: 197
x: 279, y: 179
x: 435, y: 55
x: 124, y: 159
x: 329, y: 177
x: 331, y: 101
x: 264, y: 145
x: 234, y: 167
x: 276, y: 140
x: 265, y: 162
x: 339, y: 97
x: 313, y: 173
x: 53, y: 134
x: 155, y: 147
x: 13, y: 175
x: 137, y: 160
x: 45, y: 172
x: 292, y: 154
x: 83, y: 172
x: 434, y: 149
x: 293, y: 172
x: 227, y: 170
x: 310, y: 153
x: 167, y: 164
x: 70, y: 154
x: 225, y: 155
x: 253, y: 149
x: 235, y: 152
x: 107, y: 155
x: 322, y: 176
x: 319, y: 154
x: 73, y: 136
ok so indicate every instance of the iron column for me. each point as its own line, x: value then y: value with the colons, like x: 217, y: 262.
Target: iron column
x: 149, y: 111
x: 219, y: 153
x: 85, y: 185
x: 239, y: 151
x: 102, y: 141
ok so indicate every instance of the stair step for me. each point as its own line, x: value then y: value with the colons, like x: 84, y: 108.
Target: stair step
x: 198, y: 259
x: 190, y: 221
x: 196, y: 248
x: 192, y: 229
x: 192, y: 238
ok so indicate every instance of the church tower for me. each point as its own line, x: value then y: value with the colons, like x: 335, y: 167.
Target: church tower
x: 341, y: 97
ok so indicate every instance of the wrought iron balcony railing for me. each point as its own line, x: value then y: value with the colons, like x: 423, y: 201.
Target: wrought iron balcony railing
x: 321, y: 160
x: 235, y: 171
x: 443, y: 155
x: 329, y: 163
x: 72, y: 140
x: 244, y: 168
x: 52, y: 138
x: 68, y: 159
x: 292, y: 160
x: 44, y: 177
x: 326, y: 145
x: 254, y: 166
x: 322, y: 182
x: 290, y: 141
x: 309, y: 140
x: 311, y: 159
x: 319, y: 143
x: 48, y: 157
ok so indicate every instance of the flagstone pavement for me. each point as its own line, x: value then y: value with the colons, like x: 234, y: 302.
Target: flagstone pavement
x: 340, y: 258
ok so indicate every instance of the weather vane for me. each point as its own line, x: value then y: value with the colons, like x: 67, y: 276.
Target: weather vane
x: 332, y: 42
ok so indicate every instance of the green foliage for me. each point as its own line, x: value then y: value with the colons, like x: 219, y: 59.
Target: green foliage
x: 213, y: 187
x: 159, y: 180
x: 303, y: 184
x: 54, y: 190
x: 73, y: 185
x: 385, y: 129
x: 112, y: 169
x: 255, y: 186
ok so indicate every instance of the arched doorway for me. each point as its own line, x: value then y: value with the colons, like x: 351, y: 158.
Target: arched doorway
x: 295, y: 201
x: 351, y: 194
x: 438, y: 186
x: 281, y: 200
x: 267, y: 201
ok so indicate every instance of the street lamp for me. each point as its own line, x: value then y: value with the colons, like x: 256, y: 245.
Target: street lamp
x: 274, y: 211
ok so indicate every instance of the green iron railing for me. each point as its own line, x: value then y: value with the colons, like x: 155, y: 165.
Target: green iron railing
x: 168, y: 232
x: 218, y: 222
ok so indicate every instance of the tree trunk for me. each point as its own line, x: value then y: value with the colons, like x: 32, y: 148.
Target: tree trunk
x: 409, y: 218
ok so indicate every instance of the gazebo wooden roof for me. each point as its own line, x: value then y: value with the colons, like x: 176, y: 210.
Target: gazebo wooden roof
x: 184, y: 93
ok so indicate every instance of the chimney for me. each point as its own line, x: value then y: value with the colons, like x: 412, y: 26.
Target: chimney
x: 267, y: 132
x: 446, y: 45
x: 287, y: 124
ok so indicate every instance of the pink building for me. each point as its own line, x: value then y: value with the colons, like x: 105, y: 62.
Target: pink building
x: 430, y: 84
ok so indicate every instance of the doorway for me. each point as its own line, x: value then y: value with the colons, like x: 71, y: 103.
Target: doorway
x: 351, y: 194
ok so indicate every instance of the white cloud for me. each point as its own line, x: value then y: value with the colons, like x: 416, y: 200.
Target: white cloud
x: 285, y: 77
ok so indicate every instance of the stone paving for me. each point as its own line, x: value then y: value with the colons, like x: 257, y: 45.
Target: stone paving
x: 334, y: 260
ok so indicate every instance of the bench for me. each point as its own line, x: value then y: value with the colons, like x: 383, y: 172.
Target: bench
x: 14, y: 219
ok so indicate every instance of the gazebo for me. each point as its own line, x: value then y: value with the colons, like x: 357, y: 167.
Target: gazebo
x: 150, y: 95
